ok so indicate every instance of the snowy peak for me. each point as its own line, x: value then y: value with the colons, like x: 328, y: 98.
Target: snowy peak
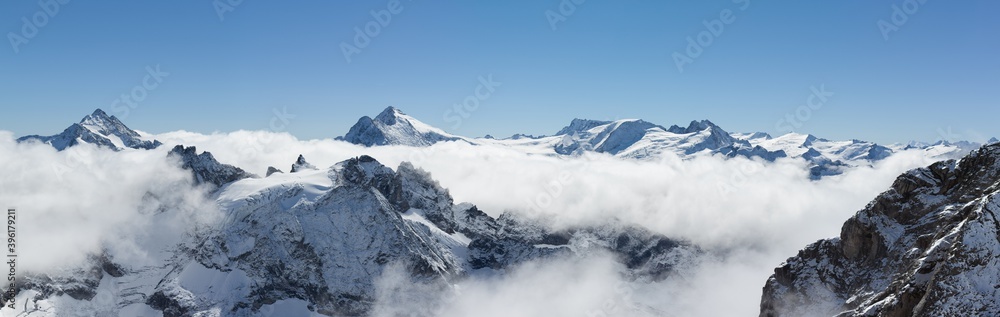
x: 205, y: 168
x: 97, y: 128
x: 271, y: 170
x: 389, y: 116
x: 993, y: 140
x: 393, y: 127
x: 581, y: 125
x: 103, y: 122
x: 301, y: 164
x: 612, y: 137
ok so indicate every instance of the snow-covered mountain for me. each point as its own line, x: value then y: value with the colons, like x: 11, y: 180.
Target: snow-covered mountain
x: 317, y: 240
x: 928, y: 246
x: 393, y: 127
x: 639, y: 139
x: 97, y: 128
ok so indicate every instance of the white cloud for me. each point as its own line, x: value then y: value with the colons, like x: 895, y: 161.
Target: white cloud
x: 754, y: 214
x: 86, y: 199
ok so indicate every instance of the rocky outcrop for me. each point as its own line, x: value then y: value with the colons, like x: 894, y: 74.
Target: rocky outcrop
x: 271, y: 170
x: 205, y: 168
x: 301, y: 164
x: 928, y: 246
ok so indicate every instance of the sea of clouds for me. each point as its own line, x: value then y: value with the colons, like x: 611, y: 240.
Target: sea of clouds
x: 750, y: 214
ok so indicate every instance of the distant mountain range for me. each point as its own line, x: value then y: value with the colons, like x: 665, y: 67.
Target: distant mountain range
x: 638, y: 139
x: 629, y: 139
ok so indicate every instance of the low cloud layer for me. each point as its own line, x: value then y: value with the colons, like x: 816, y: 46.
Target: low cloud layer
x: 87, y: 200
x: 750, y: 214
x: 712, y: 201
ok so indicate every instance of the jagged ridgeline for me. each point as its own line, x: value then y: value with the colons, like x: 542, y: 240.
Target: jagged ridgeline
x: 97, y: 128
x: 929, y: 246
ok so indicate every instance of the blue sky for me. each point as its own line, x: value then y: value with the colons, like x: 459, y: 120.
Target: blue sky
x: 937, y: 76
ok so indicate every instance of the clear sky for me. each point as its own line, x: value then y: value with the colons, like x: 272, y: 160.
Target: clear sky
x: 936, y: 75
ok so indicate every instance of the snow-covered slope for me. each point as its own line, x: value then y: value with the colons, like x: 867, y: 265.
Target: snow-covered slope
x: 393, y: 127
x: 315, y: 241
x: 927, y: 247
x: 636, y: 139
x: 97, y: 128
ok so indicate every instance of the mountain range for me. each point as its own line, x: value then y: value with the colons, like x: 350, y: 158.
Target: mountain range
x: 639, y: 139
x: 316, y: 239
x: 628, y: 138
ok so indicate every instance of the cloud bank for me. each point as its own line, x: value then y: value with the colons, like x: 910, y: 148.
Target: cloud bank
x: 749, y: 214
x: 88, y: 200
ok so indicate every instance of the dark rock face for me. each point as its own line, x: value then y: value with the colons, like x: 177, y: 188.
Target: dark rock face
x: 301, y: 164
x: 205, y: 168
x: 78, y: 283
x: 927, y: 247
x: 271, y: 170
x: 99, y: 129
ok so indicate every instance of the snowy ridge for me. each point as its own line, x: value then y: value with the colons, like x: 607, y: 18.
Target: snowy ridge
x: 926, y: 247
x: 97, y: 128
x: 393, y: 127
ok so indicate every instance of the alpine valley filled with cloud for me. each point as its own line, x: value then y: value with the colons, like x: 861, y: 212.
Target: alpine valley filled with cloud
x: 396, y: 217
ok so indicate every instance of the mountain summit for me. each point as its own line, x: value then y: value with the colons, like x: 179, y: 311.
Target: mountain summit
x: 97, y: 128
x: 926, y: 247
x: 393, y: 127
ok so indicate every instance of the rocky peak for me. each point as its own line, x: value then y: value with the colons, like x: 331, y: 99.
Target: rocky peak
x: 808, y: 142
x: 581, y: 125
x: 205, y: 168
x: 99, y: 129
x: 919, y: 249
x: 389, y: 116
x: 695, y: 126
x: 301, y: 164
x: 272, y: 170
